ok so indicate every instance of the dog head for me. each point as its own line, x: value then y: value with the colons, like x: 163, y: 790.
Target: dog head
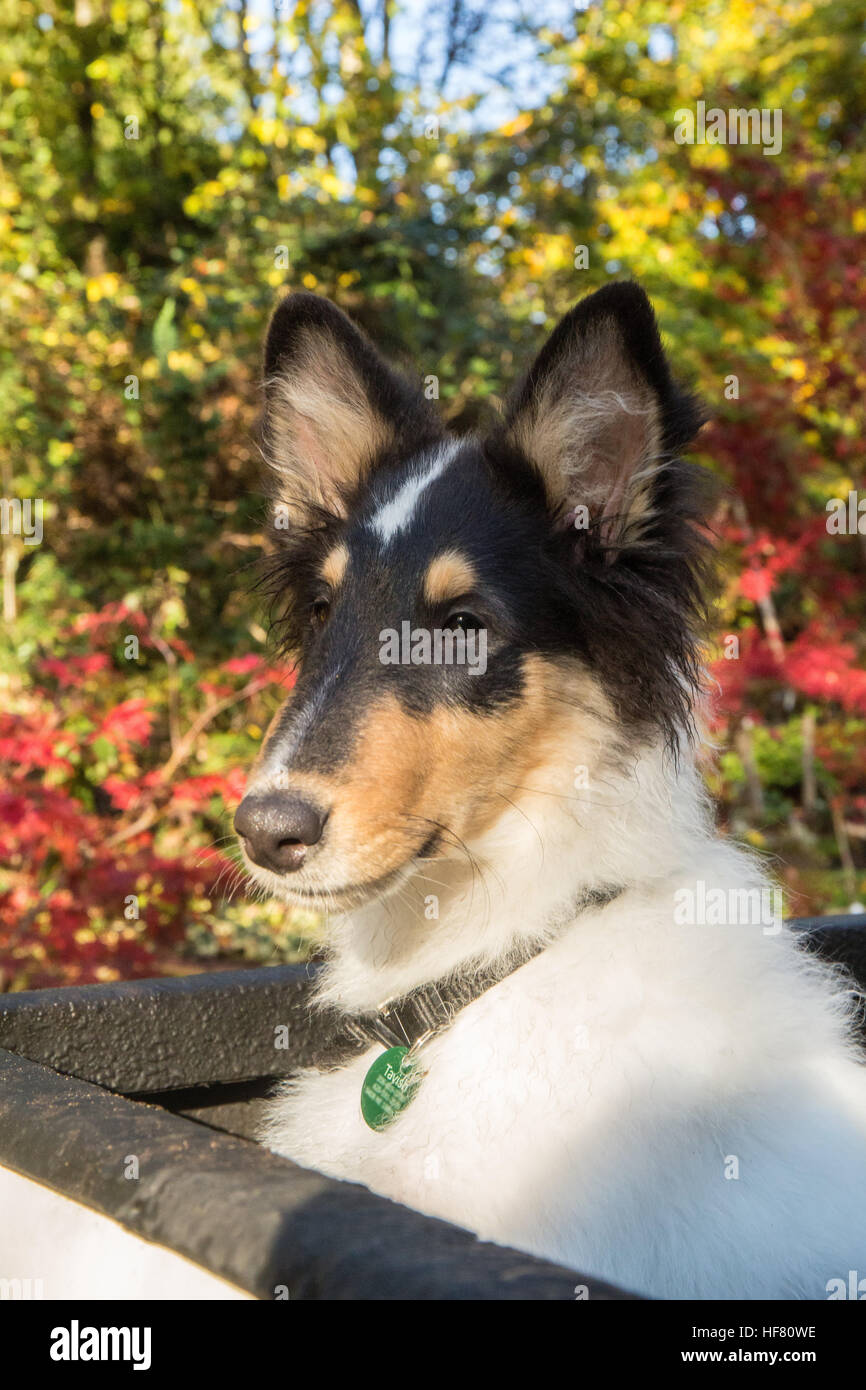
x: 464, y: 610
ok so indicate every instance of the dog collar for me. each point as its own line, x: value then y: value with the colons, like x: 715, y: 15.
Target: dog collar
x: 404, y: 1025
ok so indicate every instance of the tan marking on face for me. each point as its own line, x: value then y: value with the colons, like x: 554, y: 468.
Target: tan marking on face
x: 334, y: 566
x: 455, y: 769
x: 449, y: 575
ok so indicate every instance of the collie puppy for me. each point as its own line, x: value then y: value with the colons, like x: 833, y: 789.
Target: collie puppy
x: 582, y: 1028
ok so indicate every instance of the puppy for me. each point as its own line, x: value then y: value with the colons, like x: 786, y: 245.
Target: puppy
x: 580, y: 1030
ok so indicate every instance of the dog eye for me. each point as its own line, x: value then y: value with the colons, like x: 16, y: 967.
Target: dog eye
x: 468, y: 622
x: 320, y: 613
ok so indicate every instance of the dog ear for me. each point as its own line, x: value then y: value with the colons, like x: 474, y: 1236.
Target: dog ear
x: 599, y: 416
x: 332, y: 405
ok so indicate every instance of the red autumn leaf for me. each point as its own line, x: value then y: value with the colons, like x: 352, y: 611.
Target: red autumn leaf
x: 129, y: 722
x: 756, y: 584
x: 74, y: 670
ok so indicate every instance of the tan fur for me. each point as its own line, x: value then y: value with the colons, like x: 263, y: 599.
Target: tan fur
x: 449, y: 576
x: 323, y: 429
x: 334, y: 566
x: 411, y: 775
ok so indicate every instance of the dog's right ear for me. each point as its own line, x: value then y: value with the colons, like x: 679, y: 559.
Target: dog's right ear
x: 332, y: 406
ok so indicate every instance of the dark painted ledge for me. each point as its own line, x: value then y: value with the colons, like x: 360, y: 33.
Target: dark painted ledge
x: 840, y: 938
x: 145, y: 1035
x: 246, y: 1215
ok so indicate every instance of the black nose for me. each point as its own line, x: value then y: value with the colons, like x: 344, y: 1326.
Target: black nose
x: 277, y: 829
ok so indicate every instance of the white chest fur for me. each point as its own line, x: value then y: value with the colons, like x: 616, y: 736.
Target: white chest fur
x: 675, y: 1110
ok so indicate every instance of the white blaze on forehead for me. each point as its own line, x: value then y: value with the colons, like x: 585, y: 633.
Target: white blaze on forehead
x: 395, y: 515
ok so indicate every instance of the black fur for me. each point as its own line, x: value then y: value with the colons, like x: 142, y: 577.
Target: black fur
x: 647, y: 602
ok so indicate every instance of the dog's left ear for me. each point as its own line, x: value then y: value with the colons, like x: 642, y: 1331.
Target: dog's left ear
x: 599, y: 415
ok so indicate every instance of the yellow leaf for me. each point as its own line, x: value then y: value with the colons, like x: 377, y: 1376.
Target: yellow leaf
x: 518, y: 125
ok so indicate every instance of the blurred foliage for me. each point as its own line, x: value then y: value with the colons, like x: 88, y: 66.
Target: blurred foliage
x: 166, y: 170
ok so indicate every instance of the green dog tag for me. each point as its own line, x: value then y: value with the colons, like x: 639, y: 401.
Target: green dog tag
x: 388, y: 1087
